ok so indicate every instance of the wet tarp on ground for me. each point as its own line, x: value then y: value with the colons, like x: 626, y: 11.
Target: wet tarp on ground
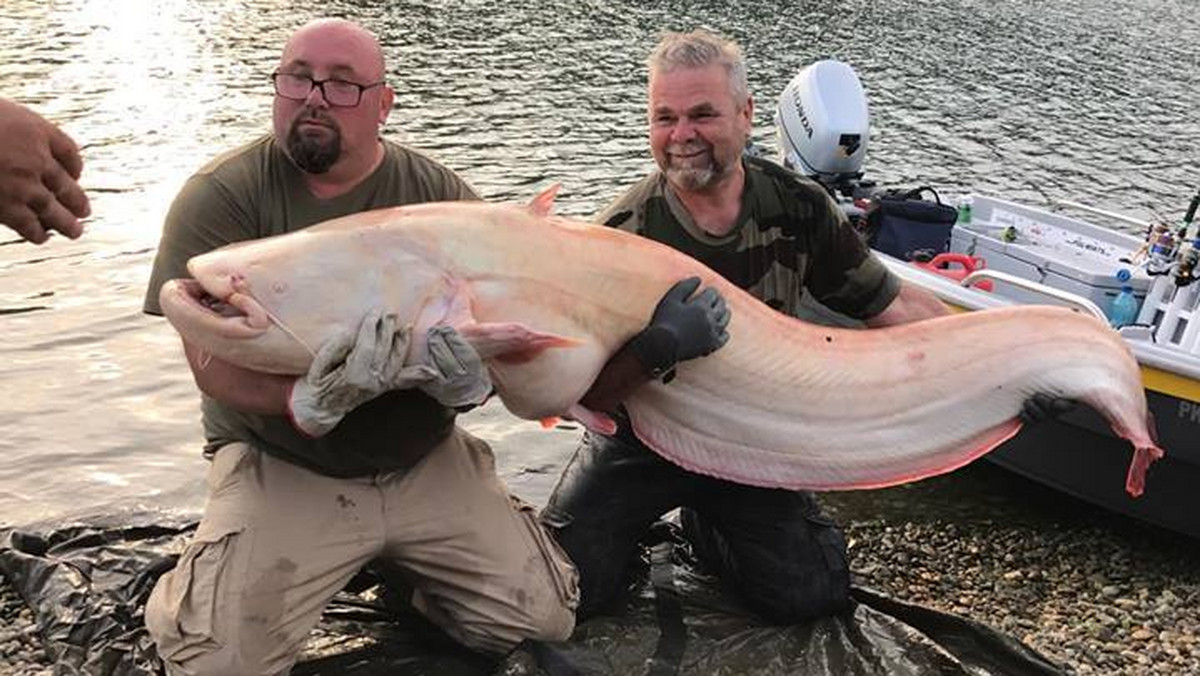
x: 87, y: 581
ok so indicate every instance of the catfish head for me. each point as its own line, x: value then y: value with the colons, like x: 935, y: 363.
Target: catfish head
x: 269, y: 304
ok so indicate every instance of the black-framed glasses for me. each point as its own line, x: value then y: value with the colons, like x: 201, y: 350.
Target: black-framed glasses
x: 339, y: 93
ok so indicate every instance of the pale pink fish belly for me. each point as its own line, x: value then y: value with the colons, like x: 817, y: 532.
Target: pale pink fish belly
x: 783, y: 404
x: 799, y: 406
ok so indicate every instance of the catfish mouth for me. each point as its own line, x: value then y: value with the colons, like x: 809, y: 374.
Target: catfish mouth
x: 214, y: 304
x: 229, y: 305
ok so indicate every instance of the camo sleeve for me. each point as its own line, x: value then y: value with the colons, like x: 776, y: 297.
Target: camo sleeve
x: 845, y: 276
x: 628, y: 210
x: 203, y: 217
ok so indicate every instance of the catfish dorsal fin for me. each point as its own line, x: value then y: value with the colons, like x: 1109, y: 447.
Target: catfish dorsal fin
x: 543, y: 204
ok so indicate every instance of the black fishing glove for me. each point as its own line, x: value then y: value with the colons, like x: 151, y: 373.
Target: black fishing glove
x: 683, y: 327
x: 1042, y: 407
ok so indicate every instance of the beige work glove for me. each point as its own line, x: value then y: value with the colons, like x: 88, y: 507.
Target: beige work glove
x: 461, y: 378
x: 352, y: 369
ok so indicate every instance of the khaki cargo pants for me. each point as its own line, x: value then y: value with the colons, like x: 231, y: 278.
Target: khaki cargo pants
x: 278, y: 541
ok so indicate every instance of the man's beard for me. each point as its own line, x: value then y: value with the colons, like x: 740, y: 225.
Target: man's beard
x: 692, y: 177
x: 314, y: 154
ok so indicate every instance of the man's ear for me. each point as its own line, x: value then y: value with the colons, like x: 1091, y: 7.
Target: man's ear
x: 385, y: 103
x: 748, y: 113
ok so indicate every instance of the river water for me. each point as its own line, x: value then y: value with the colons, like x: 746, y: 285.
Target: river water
x: 1083, y: 99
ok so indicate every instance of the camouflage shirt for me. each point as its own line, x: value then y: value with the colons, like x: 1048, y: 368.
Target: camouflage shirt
x: 789, y: 237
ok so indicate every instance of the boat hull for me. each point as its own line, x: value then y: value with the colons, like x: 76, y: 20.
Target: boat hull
x: 1052, y: 453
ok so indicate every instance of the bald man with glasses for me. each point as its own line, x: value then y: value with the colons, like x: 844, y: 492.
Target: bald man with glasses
x: 313, y: 477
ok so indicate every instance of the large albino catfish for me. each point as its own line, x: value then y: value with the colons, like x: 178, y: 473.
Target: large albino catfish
x: 547, y: 300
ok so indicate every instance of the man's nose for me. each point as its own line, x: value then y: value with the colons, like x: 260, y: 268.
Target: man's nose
x: 316, y: 97
x: 683, y: 130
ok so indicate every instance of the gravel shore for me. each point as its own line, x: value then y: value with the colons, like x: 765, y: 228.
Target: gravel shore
x: 1084, y: 599
x: 20, y: 651
x: 1094, y: 593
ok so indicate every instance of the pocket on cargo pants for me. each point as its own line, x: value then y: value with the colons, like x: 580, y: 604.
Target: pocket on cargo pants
x: 184, y: 609
x: 558, y: 565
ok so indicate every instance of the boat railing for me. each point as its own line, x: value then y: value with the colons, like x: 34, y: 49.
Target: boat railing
x: 1116, y: 216
x: 1029, y: 285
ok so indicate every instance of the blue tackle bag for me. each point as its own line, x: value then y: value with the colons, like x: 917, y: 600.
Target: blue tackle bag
x: 902, y: 224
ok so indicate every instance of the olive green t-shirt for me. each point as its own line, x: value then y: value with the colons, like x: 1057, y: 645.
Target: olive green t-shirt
x: 253, y: 192
x: 790, y: 236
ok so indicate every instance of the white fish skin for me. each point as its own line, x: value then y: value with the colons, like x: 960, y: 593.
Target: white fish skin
x: 548, y: 300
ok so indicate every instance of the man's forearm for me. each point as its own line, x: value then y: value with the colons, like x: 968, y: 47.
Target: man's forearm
x: 912, y: 304
x: 239, y: 388
x: 619, y: 378
x: 684, y: 326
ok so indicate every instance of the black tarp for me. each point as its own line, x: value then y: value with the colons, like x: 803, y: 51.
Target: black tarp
x: 87, y: 580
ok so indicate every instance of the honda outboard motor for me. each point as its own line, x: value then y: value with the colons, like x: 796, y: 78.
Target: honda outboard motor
x: 823, y: 124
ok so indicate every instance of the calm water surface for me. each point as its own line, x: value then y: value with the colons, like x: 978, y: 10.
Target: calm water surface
x: 1082, y: 99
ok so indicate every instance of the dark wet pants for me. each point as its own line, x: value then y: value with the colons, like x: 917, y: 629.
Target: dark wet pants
x: 774, y: 548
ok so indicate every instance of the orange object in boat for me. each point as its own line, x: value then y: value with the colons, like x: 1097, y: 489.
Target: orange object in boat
x: 944, y: 265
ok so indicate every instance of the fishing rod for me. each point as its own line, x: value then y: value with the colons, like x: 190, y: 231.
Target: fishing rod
x: 1191, y: 210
